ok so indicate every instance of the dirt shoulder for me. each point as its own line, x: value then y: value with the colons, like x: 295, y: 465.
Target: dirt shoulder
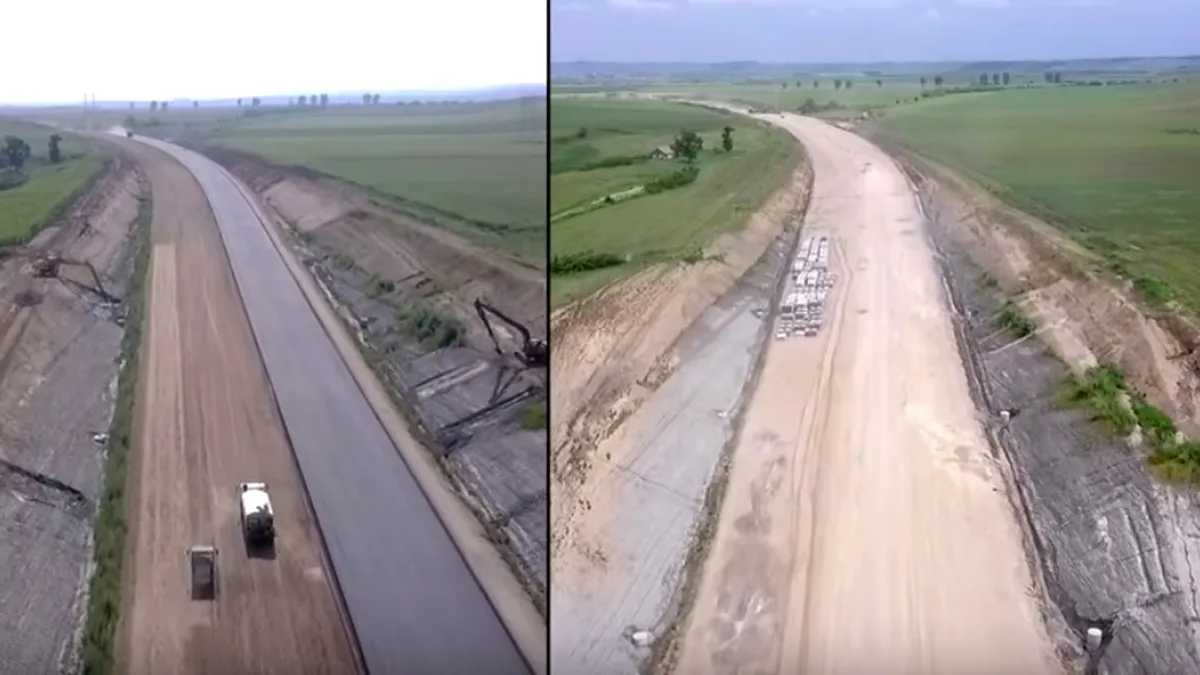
x: 59, y: 360
x: 1113, y: 547
x: 406, y: 289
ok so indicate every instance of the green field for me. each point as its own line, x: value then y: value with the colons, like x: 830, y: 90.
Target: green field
x: 1116, y: 167
x: 28, y: 207
x: 671, y: 225
x: 479, y: 168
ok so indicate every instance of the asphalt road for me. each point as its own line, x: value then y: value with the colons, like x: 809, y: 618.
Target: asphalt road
x: 414, y: 603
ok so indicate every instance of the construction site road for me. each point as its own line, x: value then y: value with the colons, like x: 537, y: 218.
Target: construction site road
x: 865, y: 527
x: 414, y: 603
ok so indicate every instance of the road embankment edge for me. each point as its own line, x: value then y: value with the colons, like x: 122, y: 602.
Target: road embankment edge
x: 110, y: 527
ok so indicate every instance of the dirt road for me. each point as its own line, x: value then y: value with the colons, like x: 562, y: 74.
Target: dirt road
x: 865, y: 528
x: 207, y: 422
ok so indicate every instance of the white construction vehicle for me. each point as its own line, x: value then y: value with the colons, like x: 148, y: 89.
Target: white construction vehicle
x: 258, y: 519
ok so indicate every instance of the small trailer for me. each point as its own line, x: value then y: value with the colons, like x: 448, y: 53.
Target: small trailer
x: 202, y: 567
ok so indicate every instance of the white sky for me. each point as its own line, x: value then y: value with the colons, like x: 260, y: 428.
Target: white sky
x: 150, y: 49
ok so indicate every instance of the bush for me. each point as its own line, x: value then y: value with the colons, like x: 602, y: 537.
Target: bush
x: 676, y: 179
x: 586, y: 261
x: 534, y: 416
x: 1100, y: 390
x: 431, y: 329
x: 1012, y: 318
x: 12, y: 179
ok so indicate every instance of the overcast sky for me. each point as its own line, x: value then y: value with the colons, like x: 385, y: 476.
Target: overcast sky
x: 58, y: 50
x: 870, y: 30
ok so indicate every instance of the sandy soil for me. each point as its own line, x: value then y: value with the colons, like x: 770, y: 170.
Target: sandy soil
x: 206, y: 421
x: 865, y: 526
x: 58, y: 354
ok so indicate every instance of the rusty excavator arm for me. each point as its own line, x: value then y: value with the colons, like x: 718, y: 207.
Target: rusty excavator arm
x: 534, y: 353
x: 47, y: 267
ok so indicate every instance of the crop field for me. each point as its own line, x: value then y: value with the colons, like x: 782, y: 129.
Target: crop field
x: 1115, y: 167
x: 484, y: 163
x: 46, y: 187
x: 600, y: 148
x: 478, y: 169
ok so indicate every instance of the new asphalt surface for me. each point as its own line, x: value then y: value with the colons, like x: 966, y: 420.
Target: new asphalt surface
x: 414, y: 604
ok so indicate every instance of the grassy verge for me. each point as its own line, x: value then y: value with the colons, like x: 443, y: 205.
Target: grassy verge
x: 1120, y: 409
x: 104, y: 596
x: 39, y: 201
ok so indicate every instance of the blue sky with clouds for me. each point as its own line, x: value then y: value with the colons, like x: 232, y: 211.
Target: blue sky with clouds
x: 870, y: 30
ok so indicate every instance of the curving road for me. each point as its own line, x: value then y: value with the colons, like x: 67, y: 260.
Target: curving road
x: 414, y: 603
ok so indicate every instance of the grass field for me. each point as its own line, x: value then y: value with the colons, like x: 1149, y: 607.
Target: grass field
x: 1116, y: 167
x: 670, y: 225
x: 26, y: 208
x: 479, y: 168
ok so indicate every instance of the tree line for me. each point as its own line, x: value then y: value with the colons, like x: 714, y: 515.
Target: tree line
x: 303, y: 100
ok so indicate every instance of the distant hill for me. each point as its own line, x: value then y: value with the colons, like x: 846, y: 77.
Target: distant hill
x: 597, y: 72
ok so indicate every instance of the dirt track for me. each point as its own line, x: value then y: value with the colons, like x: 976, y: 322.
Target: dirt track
x: 865, y: 527
x: 207, y: 422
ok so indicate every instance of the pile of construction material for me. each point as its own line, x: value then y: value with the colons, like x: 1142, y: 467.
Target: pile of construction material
x: 803, y: 308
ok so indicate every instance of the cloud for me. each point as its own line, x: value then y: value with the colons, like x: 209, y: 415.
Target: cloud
x: 644, y: 6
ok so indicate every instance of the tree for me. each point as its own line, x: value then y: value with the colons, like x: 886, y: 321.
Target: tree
x: 153, y: 106
x: 255, y: 102
x: 54, y: 152
x: 1005, y: 78
x: 799, y: 84
x: 937, y: 81
x: 301, y: 99
x: 983, y: 79
x: 783, y: 85
x: 195, y: 104
x: 837, y: 83
x: 1058, y: 78
x: 816, y: 84
x: 727, y: 139
x: 239, y: 102
x: 687, y: 145
x: 164, y: 105
x: 922, y: 82
x: 995, y: 78
x: 375, y: 99
x: 849, y: 83
x: 324, y: 100
x: 366, y: 99
x: 16, y: 151
x: 132, y: 105
x: 878, y: 83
